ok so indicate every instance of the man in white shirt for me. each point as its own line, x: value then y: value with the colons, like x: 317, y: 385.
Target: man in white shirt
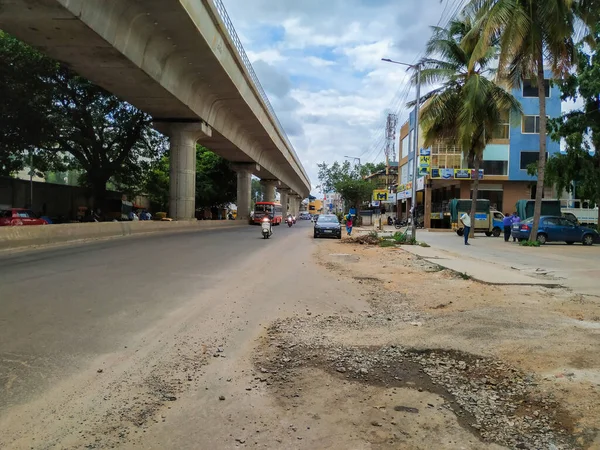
x: 465, y: 219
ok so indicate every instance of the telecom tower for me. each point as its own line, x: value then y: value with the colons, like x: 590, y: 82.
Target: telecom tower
x: 390, y: 150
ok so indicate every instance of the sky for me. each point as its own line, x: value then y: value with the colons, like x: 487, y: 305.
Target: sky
x: 320, y: 64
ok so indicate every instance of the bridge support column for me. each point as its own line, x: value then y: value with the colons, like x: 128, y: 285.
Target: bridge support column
x: 269, y: 189
x: 283, y: 199
x: 297, y: 203
x: 182, y: 162
x: 244, y: 188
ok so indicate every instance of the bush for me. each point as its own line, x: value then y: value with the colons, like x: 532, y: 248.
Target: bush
x: 402, y: 238
x: 387, y: 243
x: 529, y: 244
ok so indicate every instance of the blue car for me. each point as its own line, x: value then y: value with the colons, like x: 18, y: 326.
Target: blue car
x: 556, y: 229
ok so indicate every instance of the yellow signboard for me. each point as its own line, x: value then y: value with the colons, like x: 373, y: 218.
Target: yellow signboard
x: 380, y: 195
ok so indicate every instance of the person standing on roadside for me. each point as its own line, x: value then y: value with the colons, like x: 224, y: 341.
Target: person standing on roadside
x: 465, y: 219
x: 515, y: 219
x: 349, y: 224
x: 507, y: 222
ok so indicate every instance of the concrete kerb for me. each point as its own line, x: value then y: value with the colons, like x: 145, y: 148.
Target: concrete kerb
x: 477, y: 270
x: 17, y: 238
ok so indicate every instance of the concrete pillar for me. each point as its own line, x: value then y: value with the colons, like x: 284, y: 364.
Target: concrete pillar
x: 244, y: 188
x: 297, y: 202
x: 269, y: 189
x: 292, y: 203
x: 283, y: 199
x: 182, y: 165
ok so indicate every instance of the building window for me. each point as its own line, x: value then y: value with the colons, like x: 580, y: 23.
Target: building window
x: 446, y: 155
x: 404, y: 174
x: 530, y: 90
x: 495, y: 167
x: 405, y: 146
x: 528, y: 158
x: 530, y: 124
x: 503, y: 129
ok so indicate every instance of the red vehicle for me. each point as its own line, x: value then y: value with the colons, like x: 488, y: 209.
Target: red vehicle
x: 19, y: 216
x: 271, y: 208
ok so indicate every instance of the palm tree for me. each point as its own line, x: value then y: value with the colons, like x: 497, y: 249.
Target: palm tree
x: 530, y: 34
x: 469, y: 106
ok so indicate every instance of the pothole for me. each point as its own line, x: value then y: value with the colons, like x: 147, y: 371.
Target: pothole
x: 492, y: 400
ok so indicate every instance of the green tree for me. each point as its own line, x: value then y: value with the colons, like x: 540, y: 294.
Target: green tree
x: 25, y: 102
x: 469, y: 107
x: 371, y: 168
x: 216, y: 182
x: 531, y: 33
x: 347, y: 181
x: 157, y: 183
x: 580, y: 129
x: 255, y: 191
x: 330, y: 175
x: 72, y: 123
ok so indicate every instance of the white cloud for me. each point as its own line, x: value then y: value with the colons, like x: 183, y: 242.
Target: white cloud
x: 269, y: 56
x: 320, y: 63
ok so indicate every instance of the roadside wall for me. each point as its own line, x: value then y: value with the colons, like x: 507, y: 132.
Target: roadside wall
x: 24, y: 236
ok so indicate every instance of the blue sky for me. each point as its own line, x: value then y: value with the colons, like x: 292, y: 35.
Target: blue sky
x: 320, y: 63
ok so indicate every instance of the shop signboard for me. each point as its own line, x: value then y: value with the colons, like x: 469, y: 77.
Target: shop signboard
x: 380, y: 195
x: 424, y: 165
x: 420, y: 183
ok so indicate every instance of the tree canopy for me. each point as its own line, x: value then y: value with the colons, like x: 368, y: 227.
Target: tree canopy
x: 69, y: 123
x: 578, y: 169
x: 469, y: 106
x: 532, y: 34
x: 346, y: 180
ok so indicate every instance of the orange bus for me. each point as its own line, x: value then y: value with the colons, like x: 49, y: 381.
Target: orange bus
x: 271, y: 208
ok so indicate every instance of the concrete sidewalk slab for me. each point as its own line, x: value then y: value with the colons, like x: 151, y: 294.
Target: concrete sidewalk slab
x: 481, y: 271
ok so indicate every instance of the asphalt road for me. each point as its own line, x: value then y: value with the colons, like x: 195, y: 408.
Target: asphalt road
x: 61, y: 308
x: 574, y: 266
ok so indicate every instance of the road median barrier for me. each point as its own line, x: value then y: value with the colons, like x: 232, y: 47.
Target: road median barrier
x: 26, y: 236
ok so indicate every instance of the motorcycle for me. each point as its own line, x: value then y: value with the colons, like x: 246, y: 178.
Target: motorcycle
x: 290, y: 221
x: 400, y: 223
x: 266, y: 228
x: 390, y: 221
x: 294, y: 219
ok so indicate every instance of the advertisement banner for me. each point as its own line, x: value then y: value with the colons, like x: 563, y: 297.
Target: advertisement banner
x: 447, y: 174
x: 425, y: 152
x: 424, y: 165
x: 462, y: 174
x: 380, y: 195
x: 420, y: 183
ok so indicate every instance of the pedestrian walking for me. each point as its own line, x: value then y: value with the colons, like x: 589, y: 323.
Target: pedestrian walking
x: 349, y: 224
x: 465, y: 219
x: 507, y: 222
x: 515, y: 219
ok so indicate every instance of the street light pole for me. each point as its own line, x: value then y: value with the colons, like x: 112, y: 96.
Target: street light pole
x: 413, y: 209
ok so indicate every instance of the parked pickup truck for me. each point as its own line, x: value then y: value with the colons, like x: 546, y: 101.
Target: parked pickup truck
x: 585, y: 212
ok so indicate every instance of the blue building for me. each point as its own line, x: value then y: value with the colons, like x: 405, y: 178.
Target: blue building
x: 445, y: 173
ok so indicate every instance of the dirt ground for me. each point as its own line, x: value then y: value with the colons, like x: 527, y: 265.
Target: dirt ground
x: 355, y: 347
x: 439, y: 361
